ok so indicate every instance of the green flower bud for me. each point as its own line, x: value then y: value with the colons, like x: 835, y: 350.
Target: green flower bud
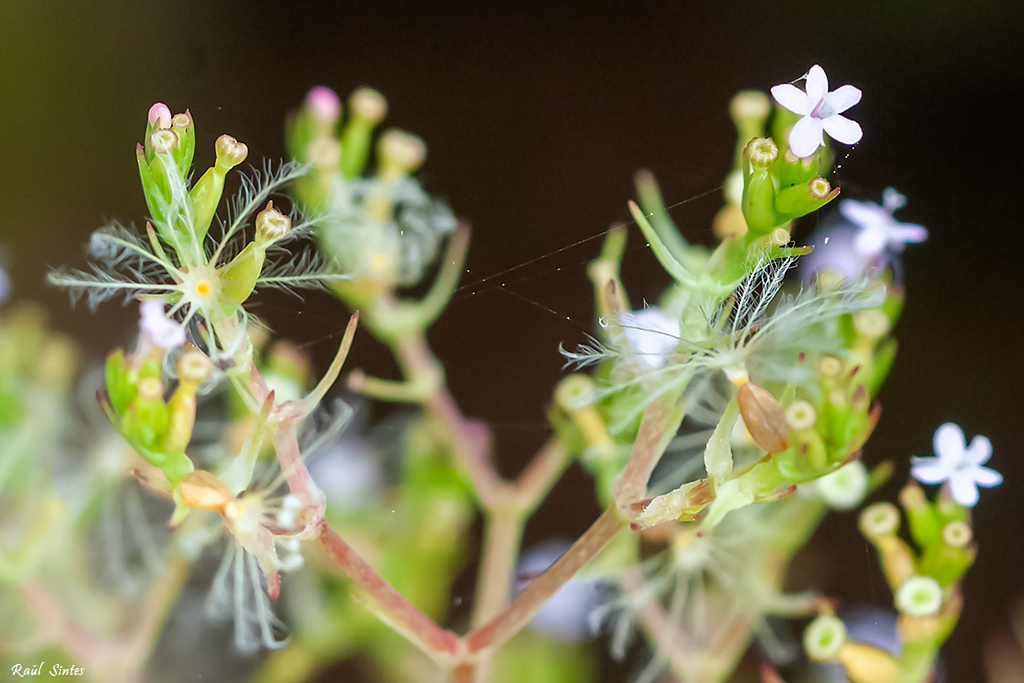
x: 193, y: 367
x: 574, y: 395
x: 879, y: 520
x: 368, y: 107
x: 919, y: 596
x: 151, y: 410
x: 824, y: 638
x: 759, y: 188
x: 120, y: 388
x: 800, y: 415
x: 800, y: 200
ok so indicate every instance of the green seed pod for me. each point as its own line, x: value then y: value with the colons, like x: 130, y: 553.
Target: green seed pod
x: 796, y: 171
x: 824, y: 638
x: 184, y: 127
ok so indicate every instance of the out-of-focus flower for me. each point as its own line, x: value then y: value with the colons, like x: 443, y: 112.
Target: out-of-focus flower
x: 651, y: 334
x: 878, y: 231
x: 348, y: 473
x: 160, y: 329
x: 821, y: 111
x: 958, y: 464
x: 566, y: 615
x: 5, y: 285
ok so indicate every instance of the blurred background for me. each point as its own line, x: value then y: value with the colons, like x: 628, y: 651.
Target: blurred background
x: 535, y: 121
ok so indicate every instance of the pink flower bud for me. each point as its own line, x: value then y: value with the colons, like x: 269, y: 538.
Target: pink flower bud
x: 160, y: 116
x: 323, y: 103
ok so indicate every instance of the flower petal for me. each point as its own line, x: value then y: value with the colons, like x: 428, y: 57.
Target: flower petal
x: 929, y: 470
x: 964, y: 490
x: 863, y: 213
x: 793, y: 99
x: 870, y: 241
x: 908, y: 233
x: 979, y: 451
x: 805, y: 137
x: 842, y: 129
x: 949, y: 443
x: 816, y: 83
x: 986, y: 476
x: 843, y: 98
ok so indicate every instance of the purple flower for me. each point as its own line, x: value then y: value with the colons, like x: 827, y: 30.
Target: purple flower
x: 156, y: 326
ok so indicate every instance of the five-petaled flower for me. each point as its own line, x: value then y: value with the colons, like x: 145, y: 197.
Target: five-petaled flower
x: 820, y: 110
x: 958, y: 464
x: 878, y: 231
x: 160, y: 329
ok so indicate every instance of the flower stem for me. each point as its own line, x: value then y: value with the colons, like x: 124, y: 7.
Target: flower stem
x: 438, y: 643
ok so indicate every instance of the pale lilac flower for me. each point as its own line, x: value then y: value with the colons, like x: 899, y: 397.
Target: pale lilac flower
x: 958, y: 464
x: 820, y: 110
x: 878, y: 231
x: 651, y: 334
x: 160, y: 330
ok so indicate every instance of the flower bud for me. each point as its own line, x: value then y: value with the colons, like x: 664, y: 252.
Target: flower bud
x: 399, y: 154
x: 764, y: 418
x: 367, y: 103
x: 574, y: 395
x: 201, y: 489
x: 323, y: 104
x: 271, y: 225
x: 800, y: 415
x: 919, y: 596
x: 761, y: 152
x: 159, y: 116
x: 824, y: 638
x: 879, y: 520
x: 182, y: 125
x: 796, y: 171
x: 238, y: 277
x: 230, y: 153
x: 368, y: 108
x: 829, y: 366
x: 779, y: 237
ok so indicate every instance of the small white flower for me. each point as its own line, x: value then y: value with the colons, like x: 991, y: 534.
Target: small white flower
x: 958, y: 464
x: 651, y: 334
x: 820, y: 110
x: 878, y: 231
x: 162, y: 331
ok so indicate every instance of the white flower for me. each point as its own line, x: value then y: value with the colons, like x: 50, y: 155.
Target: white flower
x: 878, y: 231
x: 820, y: 110
x: 958, y: 464
x: 162, y: 331
x: 651, y: 334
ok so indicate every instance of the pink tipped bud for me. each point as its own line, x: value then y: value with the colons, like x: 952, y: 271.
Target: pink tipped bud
x: 160, y: 116
x: 323, y: 103
x: 230, y: 152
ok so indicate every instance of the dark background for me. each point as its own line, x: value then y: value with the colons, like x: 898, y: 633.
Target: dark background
x: 535, y: 121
